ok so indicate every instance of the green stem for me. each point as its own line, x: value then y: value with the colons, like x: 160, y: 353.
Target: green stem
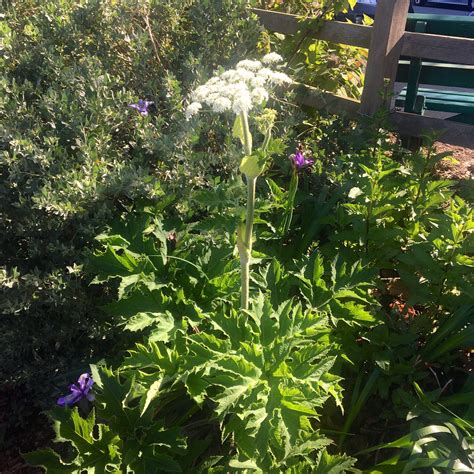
x: 266, y: 140
x: 247, y: 135
x: 367, y: 227
x: 290, y: 203
x: 246, y: 251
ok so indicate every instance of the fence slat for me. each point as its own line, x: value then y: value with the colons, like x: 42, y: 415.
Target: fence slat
x: 384, y: 53
x: 333, y: 31
x: 406, y: 124
x: 455, y: 133
x: 442, y: 48
x: 428, y: 46
x: 321, y: 100
x: 386, y: 41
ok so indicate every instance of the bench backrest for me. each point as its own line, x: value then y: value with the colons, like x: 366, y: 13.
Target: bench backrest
x: 448, y: 25
x: 415, y: 71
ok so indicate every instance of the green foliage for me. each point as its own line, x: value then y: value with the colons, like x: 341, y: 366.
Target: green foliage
x: 437, y: 439
x: 361, y: 280
x: 260, y: 379
x: 73, y: 156
x: 258, y: 383
x: 271, y: 376
x: 328, y: 66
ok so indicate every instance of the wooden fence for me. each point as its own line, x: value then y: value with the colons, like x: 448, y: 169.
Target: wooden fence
x: 387, y: 40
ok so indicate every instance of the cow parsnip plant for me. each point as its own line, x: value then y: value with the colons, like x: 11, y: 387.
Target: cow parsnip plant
x: 240, y: 90
x: 261, y: 374
x: 244, y: 394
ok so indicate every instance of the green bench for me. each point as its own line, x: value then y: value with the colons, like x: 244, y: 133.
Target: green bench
x: 415, y: 71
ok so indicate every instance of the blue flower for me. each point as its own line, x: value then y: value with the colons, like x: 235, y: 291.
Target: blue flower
x: 79, y: 390
x: 142, y: 106
x: 299, y: 160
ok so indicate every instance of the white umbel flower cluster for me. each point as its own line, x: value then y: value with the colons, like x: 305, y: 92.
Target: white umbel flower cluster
x: 238, y: 89
x: 272, y: 58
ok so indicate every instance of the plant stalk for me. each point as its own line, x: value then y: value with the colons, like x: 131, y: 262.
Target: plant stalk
x: 245, y: 247
x: 246, y: 251
x: 247, y: 135
x: 290, y: 205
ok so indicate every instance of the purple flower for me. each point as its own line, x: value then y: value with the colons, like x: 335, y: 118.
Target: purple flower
x: 299, y: 160
x: 79, y: 390
x: 142, y: 106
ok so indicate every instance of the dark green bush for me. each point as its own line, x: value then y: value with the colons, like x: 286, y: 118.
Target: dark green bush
x: 73, y: 155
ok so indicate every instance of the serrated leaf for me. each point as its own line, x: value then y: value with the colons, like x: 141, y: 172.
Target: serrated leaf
x: 141, y: 321
x: 51, y: 462
x: 332, y: 464
x: 243, y: 465
x: 151, y: 394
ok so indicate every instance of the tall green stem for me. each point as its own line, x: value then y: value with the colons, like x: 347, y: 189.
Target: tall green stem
x: 290, y: 204
x: 247, y: 135
x: 246, y: 251
x: 245, y: 247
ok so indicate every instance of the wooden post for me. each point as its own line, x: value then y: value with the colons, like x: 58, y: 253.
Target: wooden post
x: 384, y: 53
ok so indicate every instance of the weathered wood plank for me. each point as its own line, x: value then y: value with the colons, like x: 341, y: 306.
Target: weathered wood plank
x: 384, y: 53
x: 321, y: 100
x: 441, y: 48
x: 428, y: 46
x: 454, y: 133
x: 404, y: 123
x: 333, y: 31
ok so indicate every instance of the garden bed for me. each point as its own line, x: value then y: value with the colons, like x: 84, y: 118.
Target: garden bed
x: 198, y: 275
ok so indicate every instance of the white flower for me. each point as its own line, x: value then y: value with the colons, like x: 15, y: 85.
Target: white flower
x: 249, y: 64
x: 244, y: 74
x: 259, y: 95
x: 200, y: 93
x: 243, y: 103
x: 265, y: 73
x: 221, y: 104
x: 228, y: 75
x: 212, y: 97
x: 238, y: 89
x: 193, y: 109
x: 257, y: 81
x: 235, y: 90
x: 272, y: 58
x: 279, y: 78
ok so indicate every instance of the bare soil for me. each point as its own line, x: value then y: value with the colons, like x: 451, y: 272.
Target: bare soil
x: 462, y: 169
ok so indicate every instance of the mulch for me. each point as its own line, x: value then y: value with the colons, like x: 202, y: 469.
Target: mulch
x: 462, y: 169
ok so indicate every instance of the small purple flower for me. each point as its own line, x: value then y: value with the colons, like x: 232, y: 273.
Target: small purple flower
x: 142, y: 106
x: 299, y: 160
x: 79, y: 390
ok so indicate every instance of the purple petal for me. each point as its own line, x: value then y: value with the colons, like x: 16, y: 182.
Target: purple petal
x: 142, y: 106
x: 90, y: 397
x: 69, y: 399
x: 85, y: 382
x: 298, y: 159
